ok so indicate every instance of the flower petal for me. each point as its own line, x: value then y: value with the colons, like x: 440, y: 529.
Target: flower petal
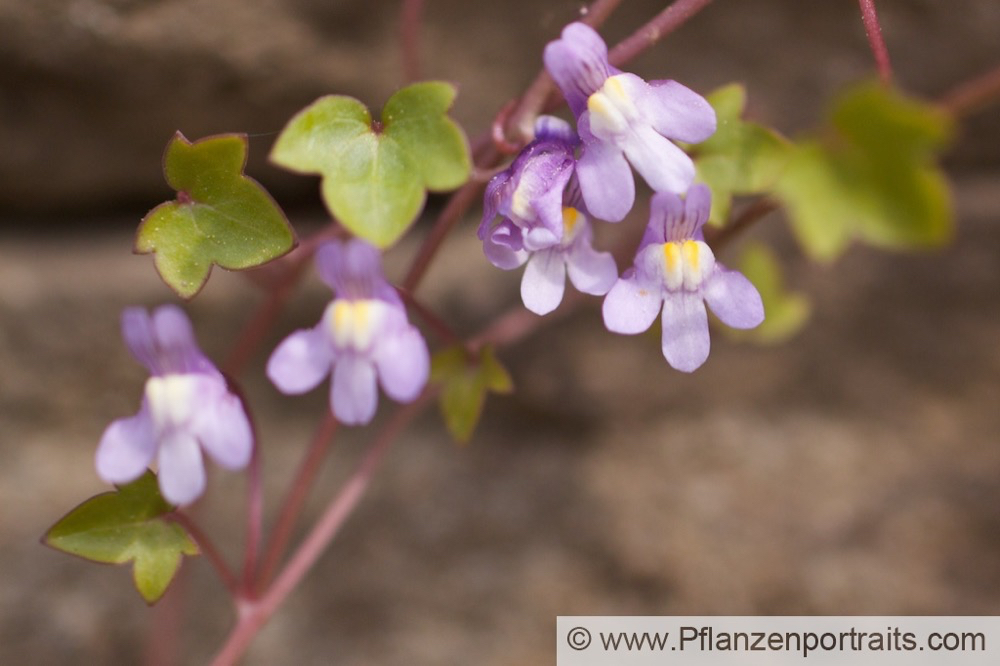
x: 579, y: 64
x: 177, y: 349
x: 666, y: 219
x: 664, y: 166
x: 181, y: 469
x: 222, y: 427
x: 606, y: 181
x: 555, y: 129
x: 354, y: 395
x: 630, y: 306
x: 301, y: 361
x: 403, y: 364
x: 685, y: 331
x: 503, y: 246
x: 127, y: 448
x: 137, y: 330
x: 677, y: 112
x: 697, y: 204
x: 734, y: 299
x: 491, y: 201
x: 543, y: 282
x: 590, y: 271
x: 354, y: 270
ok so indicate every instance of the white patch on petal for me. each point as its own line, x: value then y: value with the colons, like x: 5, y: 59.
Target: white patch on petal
x: 685, y: 264
x: 612, y: 111
x: 173, y: 400
x: 353, y: 324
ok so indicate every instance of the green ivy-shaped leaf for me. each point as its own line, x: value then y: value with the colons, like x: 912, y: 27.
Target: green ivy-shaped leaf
x: 465, y: 382
x: 127, y: 525
x: 870, y: 176
x: 787, y: 312
x: 220, y: 216
x: 375, y: 175
x: 741, y: 157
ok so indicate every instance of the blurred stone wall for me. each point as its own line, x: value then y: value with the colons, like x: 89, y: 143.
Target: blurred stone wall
x: 91, y: 90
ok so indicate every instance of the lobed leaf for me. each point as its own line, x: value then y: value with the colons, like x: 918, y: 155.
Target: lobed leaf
x: 127, y: 525
x: 465, y: 382
x: 221, y: 216
x: 872, y: 176
x: 741, y: 157
x: 375, y: 176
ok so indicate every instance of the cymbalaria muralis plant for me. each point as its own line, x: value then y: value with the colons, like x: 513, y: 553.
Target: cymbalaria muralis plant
x: 555, y: 179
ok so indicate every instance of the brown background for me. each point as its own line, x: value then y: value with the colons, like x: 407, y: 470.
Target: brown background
x: 854, y: 470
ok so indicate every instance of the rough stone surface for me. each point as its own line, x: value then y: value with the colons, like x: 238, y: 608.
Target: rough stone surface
x: 91, y: 90
x: 854, y: 470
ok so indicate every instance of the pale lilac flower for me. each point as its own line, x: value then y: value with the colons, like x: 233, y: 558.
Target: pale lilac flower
x: 186, y: 409
x: 621, y: 117
x: 364, y: 337
x: 675, y: 272
x: 528, y: 196
x: 544, y: 279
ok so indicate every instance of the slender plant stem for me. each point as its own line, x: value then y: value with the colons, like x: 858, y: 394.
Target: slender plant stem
x: 206, y: 546
x: 298, y: 491
x: 255, y: 514
x: 459, y: 202
x: 536, y: 98
x: 440, y: 328
x: 254, y: 614
x: 410, y: 19
x: 874, y: 31
x: 970, y: 96
x: 661, y: 25
x: 263, y: 318
x: 760, y: 208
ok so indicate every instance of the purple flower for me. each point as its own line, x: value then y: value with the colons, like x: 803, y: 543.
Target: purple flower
x: 541, y: 224
x: 676, y: 271
x: 364, y: 336
x: 186, y: 409
x: 528, y: 196
x: 619, y: 117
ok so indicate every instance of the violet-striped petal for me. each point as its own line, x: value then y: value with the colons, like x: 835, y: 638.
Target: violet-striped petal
x: 686, y: 342
x: 578, y: 62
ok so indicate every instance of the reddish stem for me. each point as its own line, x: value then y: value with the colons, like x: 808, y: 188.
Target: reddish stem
x: 263, y: 318
x: 207, y: 548
x: 254, y: 614
x: 298, y: 491
x: 459, y: 202
x: 255, y: 514
x: 970, y: 96
x: 874, y: 31
x: 410, y: 18
x: 661, y: 25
